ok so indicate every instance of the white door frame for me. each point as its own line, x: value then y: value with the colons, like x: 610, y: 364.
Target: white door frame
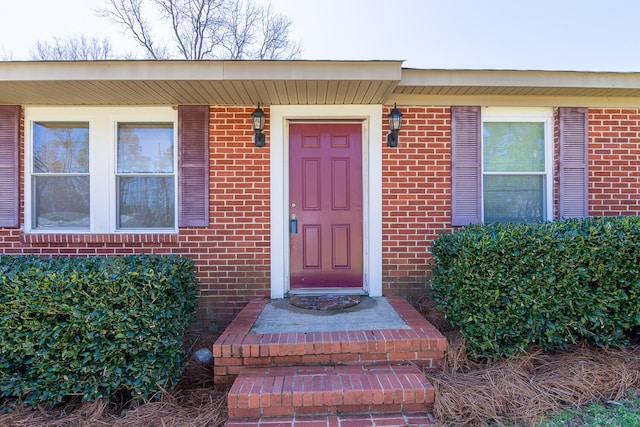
x: 371, y: 117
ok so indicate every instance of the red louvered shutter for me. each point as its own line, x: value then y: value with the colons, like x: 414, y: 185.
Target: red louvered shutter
x: 9, y: 170
x: 193, y: 166
x: 465, y: 165
x: 573, y: 194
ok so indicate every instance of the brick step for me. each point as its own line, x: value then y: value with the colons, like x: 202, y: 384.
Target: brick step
x: 238, y: 348
x: 329, y: 390
x: 419, y: 419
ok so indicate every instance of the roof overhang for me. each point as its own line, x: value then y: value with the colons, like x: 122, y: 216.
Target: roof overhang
x: 486, y: 87
x: 197, y: 82
x: 135, y: 82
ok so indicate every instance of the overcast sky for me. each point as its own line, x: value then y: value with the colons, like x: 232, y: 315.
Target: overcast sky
x: 582, y: 35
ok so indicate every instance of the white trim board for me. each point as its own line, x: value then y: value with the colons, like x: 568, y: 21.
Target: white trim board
x: 278, y: 143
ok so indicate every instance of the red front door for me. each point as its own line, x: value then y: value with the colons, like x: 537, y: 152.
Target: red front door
x: 325, y: 205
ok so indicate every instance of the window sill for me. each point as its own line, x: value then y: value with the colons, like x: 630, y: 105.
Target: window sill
x: 77, y: 238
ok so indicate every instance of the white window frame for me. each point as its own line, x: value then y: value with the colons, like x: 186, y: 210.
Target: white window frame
x: 524, y: 114
x: 103, y: 127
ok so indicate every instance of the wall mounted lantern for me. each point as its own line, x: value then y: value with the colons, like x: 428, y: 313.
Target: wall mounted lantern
x: 395, y: 123
x: 258, y: 118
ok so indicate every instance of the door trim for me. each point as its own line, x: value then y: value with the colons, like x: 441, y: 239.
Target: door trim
x: 371, y: 118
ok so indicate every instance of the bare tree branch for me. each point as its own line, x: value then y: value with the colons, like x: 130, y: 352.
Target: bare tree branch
x: 207, y: 29
x: 7, y: 55
x: 240, y: 29
x: 129, y: 14
x: 73, y: 48
x: 275, y: 37
x: 192, y: 23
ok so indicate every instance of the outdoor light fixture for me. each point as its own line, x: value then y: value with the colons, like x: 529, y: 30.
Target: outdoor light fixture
x: 395, y: 123
x: 258, y: 118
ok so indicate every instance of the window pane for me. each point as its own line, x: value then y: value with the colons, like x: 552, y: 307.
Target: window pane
x: 145, y: 148
x: 60, y: 147
x: 146, y: 202
x: 513, y: 198
x: 513, y: 147
x: 61, y: 202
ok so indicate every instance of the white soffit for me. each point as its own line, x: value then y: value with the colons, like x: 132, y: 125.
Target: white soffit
x: 197, y: 82
x: 518, y: 83
x: 295, y: 83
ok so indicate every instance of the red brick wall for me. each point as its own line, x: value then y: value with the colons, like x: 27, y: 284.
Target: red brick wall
x: 416, y: 196
x: 233, y: 253
x: 614, y: 162
x: 236, y: 260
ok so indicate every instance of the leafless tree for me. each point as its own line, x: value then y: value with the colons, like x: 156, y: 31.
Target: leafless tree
x: 73, y: 48
x: 6, y: 55
x: 205, y: 29
x: 273, y: 44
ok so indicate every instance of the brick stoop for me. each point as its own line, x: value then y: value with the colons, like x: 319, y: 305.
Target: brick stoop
x: 390, y: 392
x: 327, y: 390
x: 332, y: 378
x: 237, y: 347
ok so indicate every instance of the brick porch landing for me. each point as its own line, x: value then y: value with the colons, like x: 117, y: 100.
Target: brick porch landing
x: 324, y: 372
x: 238, y: 347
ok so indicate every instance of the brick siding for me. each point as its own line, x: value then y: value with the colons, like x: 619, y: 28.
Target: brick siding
x: 614, y: 162
x: 233, y: 253
x: 416, y: 197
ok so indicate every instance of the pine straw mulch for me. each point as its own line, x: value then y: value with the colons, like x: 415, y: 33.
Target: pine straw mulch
x: 522, y: 390
x: 514, y: 392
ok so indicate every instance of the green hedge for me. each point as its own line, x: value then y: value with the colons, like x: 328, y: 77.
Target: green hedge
x: 91, y: 328
x: 511, y: 285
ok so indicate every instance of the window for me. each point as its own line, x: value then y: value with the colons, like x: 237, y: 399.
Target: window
x: 507, y: 180
x: 145, y: 180
x: 516, y: 164
x: 101, y: 170
x: 60, y: 177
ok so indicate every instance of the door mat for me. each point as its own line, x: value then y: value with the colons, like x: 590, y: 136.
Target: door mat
x: 325, y: 302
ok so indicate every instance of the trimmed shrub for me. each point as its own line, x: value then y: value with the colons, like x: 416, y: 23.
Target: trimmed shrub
x: 511, y: 285
x: 91, y: 328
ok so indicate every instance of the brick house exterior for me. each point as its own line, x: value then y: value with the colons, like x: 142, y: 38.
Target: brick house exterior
x: 238, y: 254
